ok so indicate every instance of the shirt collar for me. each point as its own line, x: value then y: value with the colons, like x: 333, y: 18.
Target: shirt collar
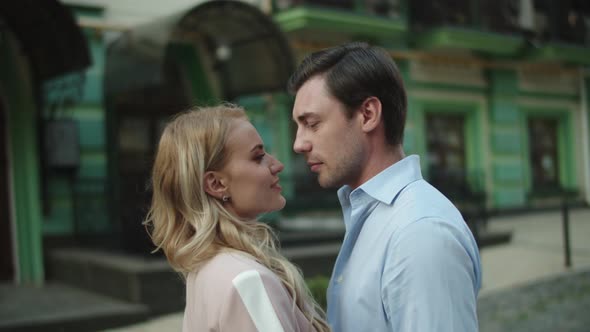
x: 344, y: 195
x: 388, y: 183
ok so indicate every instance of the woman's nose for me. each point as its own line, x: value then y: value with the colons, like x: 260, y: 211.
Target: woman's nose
x: 276, y: 166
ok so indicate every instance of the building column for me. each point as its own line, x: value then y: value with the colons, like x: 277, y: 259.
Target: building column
x: 585, y: 116
x: 508, y: 164
x: 17, y: 87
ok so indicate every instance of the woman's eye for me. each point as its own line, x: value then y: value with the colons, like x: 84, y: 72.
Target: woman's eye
x: 260, y: 157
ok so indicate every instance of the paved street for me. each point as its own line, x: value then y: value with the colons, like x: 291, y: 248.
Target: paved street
x: 526, y: 286
x: 557, y: 304
x: 536, y: 250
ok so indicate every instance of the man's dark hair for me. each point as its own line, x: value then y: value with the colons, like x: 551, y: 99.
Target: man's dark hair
x: 355, y: 72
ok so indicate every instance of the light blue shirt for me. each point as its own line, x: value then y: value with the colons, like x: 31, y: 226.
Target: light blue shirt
x: 408, y: 261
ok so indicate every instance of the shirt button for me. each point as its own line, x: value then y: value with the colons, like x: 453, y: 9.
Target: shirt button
x: 340, y: 278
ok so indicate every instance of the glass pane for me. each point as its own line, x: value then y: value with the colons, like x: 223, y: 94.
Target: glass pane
x: 446, y: 151
x: 388, y: 8
x: 543, y: 153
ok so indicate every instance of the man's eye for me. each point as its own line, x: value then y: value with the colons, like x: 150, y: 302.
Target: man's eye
x: 260, y: 157
x: 312, y: 125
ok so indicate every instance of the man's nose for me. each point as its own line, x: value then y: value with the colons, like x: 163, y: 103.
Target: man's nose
x: 301, y: 145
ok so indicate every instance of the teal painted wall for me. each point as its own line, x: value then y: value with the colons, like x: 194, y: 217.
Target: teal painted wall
x: 508, y: 164
x: 77, y: 202
x: 91, y: 210
x: 496, y: 132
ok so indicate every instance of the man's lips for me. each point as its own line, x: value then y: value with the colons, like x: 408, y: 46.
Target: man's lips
x: 314, y: 166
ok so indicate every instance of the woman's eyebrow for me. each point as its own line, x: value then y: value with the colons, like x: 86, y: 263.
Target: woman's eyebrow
x: 257, y: 147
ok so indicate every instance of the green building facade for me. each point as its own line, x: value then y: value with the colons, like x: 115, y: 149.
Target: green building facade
x: 496, y: 109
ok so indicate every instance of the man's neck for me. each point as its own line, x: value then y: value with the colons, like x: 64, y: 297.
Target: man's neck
x: 378, y: 159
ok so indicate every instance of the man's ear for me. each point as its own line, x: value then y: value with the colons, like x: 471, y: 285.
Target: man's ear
x: 214, y: 184
x: 370, y: 114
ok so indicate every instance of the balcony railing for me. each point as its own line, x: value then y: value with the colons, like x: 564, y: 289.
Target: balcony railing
x: 386, y: 8
x: 541, y: 21
x: 340, y: 4
x: 565, y: 21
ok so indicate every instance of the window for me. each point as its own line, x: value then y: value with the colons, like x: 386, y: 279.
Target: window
x: 446, y: 151
x: 388, y: 8
x: 543, y: 153
x: 432, y: 13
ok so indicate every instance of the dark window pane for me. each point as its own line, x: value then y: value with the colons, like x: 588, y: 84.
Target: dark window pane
x: 388, y: 8
x: 543, y: 153
x: 428, y: 13
x: 446, y: 151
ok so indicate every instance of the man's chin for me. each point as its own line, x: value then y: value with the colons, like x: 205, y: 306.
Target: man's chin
x: 327, y: 183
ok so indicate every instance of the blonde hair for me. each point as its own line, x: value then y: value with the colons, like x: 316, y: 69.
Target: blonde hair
x: 190, y: 226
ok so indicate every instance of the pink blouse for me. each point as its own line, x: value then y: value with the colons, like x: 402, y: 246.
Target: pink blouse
x: 233, y: 292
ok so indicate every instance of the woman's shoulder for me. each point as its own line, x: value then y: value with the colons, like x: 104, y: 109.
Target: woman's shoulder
x: 232, y: 290
x: 226, y: 266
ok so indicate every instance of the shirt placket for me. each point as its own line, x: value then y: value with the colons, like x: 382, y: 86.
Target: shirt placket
x: 354, y: 216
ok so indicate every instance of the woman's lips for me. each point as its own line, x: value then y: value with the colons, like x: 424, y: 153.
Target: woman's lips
x: 276, y: 186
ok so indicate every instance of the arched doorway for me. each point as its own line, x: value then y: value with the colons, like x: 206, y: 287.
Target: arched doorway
x: 215, y: 51
x: 39, y: 42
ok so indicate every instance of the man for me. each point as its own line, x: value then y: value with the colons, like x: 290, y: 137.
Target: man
x: 408, y: 261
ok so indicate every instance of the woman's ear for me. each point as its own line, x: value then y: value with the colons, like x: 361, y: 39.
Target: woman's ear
x: 371, y: 114
x: 214, y: 184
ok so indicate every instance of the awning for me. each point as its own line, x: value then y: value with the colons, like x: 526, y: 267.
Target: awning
x: 242, y: 48
x: 48, y: 35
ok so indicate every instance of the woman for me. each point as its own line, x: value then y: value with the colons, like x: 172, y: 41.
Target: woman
x: 211, y: 179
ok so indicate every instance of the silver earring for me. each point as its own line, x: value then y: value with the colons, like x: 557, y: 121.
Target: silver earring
x: 225, y: 198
